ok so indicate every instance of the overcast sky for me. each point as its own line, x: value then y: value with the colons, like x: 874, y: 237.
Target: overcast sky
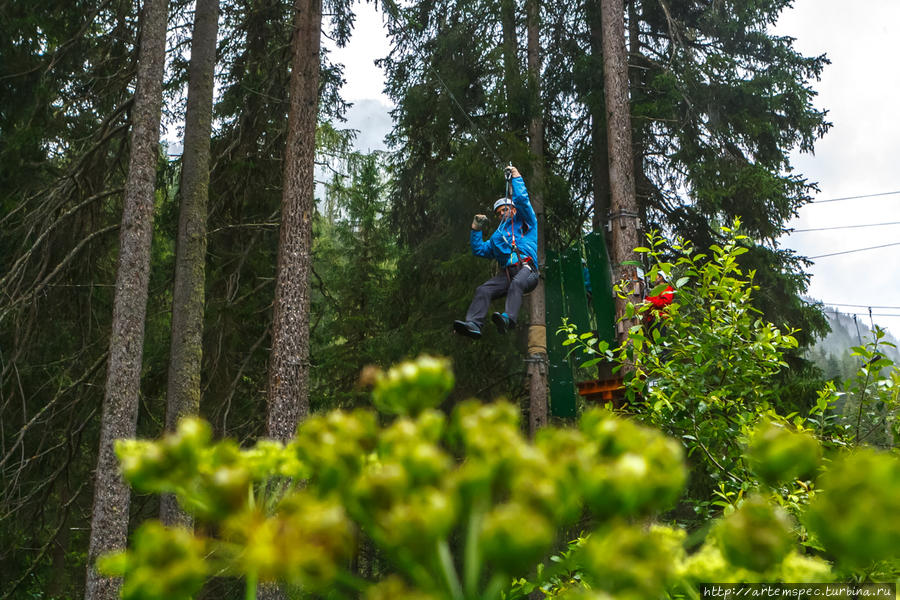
x: 860, y: 90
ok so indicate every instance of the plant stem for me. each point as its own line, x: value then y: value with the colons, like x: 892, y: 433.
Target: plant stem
x: 446, y: 561
x: 472, y: 566
x: 252, y: 582
x: 352, y: 582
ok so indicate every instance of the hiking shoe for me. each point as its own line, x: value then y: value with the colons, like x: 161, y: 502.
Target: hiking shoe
x: 503, y: 322
x: 468, y: 329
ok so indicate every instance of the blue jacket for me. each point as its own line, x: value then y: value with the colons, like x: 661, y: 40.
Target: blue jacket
x: 521, y: 229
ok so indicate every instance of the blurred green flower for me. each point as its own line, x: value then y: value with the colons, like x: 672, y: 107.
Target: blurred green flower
x: 209, y: 480
x: 778, y: 455
x: 854, y: 516
x: 333, y: 446
x: 539, y: 482
x: 630, y: 561
x: 637, y: 470
x: 489, y: 437
x: 414, y: 444
x: 304, y: 542
x: 413, y: 386
x: 757, y: 536
x: 160, y: 466
x: 268, y: 458
x: 487, y: 431
x: 418, y: 521
x: 709, y: 565
x: 514, y: 537
x: 163, y: 564
x: 394, y: 588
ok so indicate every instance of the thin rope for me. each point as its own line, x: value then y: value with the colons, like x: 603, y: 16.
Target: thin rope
x: 465, y: 114
x: 434, y: 72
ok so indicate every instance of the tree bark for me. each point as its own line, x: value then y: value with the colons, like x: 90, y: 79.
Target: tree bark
x: 537, y: 331
x: 599, y: 142
x: 186, y: 350
x: 109, y: 522
x: 635, y: 84
x: 289, y: 360
x: 624, y: 218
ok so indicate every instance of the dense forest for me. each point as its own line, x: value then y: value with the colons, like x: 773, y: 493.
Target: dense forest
x: 269, y: 276
x: 833, y: 353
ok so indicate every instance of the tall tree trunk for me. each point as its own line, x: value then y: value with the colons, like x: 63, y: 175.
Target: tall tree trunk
x: 186, y: 351
x: 289, y: 360
x: 624, y: 217
x: 109, y: 522
x: 537, y: 331
x: 636, y: 86
x: 599, y: 142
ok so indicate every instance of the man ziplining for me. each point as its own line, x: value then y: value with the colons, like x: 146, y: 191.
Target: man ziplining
x: 514, y: 246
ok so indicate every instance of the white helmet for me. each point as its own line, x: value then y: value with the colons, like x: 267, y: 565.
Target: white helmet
x: 503, y: 202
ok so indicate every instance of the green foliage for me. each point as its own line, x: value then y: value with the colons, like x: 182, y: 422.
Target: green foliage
x: 166, y: 563
x: 778, y: 455
x: 409, y: 389
x: 698, y: 373
x: 464, y: 507
x: 630, y: 561
x: 845, y: 517
x: 756, y: 536
x: 871, y: 398
x: 412, y: 486
x: 696, y: 369
x: 354, y: 267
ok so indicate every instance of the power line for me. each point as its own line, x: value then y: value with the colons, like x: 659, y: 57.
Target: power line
x: 854, y: 197
x: 859, y: 305
x: 851, y: 251
x: 843, y: 227
x: 866, y: 314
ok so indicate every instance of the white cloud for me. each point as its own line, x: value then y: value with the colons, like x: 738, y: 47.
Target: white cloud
x: 368, y: 43
x: 857, y: 157
x: 371, y: 120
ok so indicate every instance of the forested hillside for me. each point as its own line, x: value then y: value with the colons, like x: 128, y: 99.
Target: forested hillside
x: 216, y: 301
x: 832, y: 353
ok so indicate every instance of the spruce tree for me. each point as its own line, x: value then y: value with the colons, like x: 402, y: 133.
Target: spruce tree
x: 112, y: 498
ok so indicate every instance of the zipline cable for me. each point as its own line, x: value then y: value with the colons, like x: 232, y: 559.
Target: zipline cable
x: 434, y: 72
x: 463, y: 111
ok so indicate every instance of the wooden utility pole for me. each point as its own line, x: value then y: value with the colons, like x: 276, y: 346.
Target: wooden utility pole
x: 112, y: 498
x: 624, y: 217
x: 537, y: 330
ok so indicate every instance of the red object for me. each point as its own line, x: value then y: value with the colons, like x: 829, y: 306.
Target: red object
x: 659, y: 303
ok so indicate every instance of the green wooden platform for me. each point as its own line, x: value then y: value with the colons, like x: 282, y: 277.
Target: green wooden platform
x: 566, y: 296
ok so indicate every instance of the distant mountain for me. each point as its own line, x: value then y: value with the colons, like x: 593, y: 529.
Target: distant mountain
x: 832, y: 353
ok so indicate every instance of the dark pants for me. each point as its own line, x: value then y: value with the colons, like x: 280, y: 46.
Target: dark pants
x: 512, y: 282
